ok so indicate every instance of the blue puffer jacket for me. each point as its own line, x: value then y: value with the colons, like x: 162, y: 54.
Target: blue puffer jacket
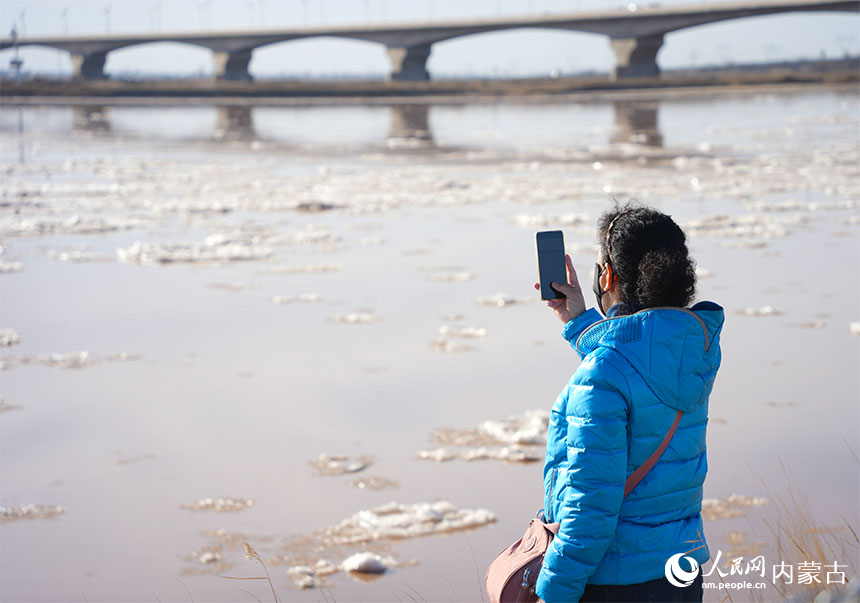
x: 636, y: 372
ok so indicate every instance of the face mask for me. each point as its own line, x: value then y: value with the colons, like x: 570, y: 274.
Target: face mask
x: 598, y: 292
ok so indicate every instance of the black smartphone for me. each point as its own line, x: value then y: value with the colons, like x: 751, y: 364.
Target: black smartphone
x: 551, y: 267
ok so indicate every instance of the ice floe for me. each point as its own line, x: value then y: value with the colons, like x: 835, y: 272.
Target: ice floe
x: 365, y: 563
x: 763, y: 311
x: 542, y: 220
x: 463, y: 332
x: 233, y: 287
x: 338, y: 464
x: 34, y: 227
x: 502, y: 300
x: 30, y: 511
x: 5, y: 407
x: 54, y: 360
x: 77, y: 256
x: 373, y: 482
x: 733, y: 506
x: 215, y: 249
x: 356, y: 318
x: 518, y: 438
x: 305, y: 269
x: 304, y: 298
x: 396, y: 521
x: 9, y: 337
x: 854, y: 328
x: 451, y: 277
x: 219, y: 505
x: 10, y: 267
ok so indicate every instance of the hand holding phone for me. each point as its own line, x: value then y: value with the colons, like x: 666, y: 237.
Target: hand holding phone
x: 570, y: 303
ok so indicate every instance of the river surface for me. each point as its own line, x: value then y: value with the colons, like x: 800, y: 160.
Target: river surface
x: 256, y: 286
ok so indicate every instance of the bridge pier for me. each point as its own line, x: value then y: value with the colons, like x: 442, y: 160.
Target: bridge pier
x: 89, y: 66
x: 409, y: 63
x: 232, y: 65
x: 636, y: 57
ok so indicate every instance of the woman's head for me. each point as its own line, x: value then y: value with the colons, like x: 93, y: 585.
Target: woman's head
x: 648, y: 261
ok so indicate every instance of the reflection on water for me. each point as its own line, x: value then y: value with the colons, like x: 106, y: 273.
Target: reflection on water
x: 636, y: 122
x: 409, y: 125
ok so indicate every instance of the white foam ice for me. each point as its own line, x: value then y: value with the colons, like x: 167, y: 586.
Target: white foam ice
x: 338, y: 464
x: 365, y: 563
x: 77, y: 257
x: 502, y: 300
x: 54, y: 360
x: 214, y: 250
x: 219, y: 505
x: 527, y: 428
x: 43, y: 226
x: 30, y: 511
x: 763, y: 311
x: 355, y: 318
x: 462, y: 332
x: 733, y: 506
x: 10, y: 267
x: 511, y: 454
x: 396, y: 521
x: 542, y: 220
x: 9, y: 337
x: 304, y: 298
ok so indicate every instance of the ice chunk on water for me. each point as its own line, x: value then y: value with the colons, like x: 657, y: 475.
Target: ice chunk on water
x: 34, y: 227
x: 338, y: 464
x: 304, y: 298
x: 365, y: 562
x: 72, y: 360
x: 527, y: 428
x: 4, y: 407
x: 214, y: 249
x: 733, y: 506
x: 854, y: 328
x: 219, y: 505
x: 9, y: 337
x: 304, y: 576
x: 354, y: 318
x: 462, y: 331
x: 763, y: 311
x: 10, y: 267
x: 307, y: 269
x: 502, y: 300
x: 541, y: 220
x: 30, y: 511
x: 394, y: 520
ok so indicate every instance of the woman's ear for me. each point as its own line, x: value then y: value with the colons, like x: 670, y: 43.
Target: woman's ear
x: 608, y: 278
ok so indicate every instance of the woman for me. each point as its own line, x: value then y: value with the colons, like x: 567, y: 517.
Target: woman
x: 650, y: 358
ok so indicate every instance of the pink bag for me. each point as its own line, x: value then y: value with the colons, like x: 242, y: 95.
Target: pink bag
x: 512, y: 575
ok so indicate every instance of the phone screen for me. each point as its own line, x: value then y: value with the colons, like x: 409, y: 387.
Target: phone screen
x: 551, y: 268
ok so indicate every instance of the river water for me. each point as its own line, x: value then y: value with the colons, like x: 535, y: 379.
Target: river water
x: 231, y: 291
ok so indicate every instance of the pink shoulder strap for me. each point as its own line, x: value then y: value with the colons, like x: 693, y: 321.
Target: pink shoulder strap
x: 642, y: 471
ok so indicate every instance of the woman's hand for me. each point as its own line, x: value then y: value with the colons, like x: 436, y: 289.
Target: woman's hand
x: 572, y: 304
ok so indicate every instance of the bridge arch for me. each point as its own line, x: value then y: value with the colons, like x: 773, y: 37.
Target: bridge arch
x: 760, y: 38
x: 551, y: 51
x: 320, y: 55
x: 168, y: 58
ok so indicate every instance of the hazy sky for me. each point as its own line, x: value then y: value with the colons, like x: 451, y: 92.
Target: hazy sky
x: 523, y: 52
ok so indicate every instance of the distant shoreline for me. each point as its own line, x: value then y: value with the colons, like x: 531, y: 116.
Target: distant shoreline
x: 841, y: 74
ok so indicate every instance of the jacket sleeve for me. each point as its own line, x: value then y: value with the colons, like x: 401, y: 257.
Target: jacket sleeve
x: 574, y: 328
x: 596, y: 413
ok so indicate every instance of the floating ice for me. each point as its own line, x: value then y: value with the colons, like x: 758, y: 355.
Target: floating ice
x: 462, y: 332
x: 541, y: 220
x: 4, y: 407
x: 311, y: 235
x: 77, y: 257
x: 308, y: 269
x: 233, y: 287
x: 71, y: 360
x: 451, y: 277
x: 219, y: 505
x: 304, y: 576
x: 304, y: 298
x: 502, y: 300
x: 763, y: 311
x: 373, y: 482
x: 34, y: 227
x: 394, y: 521
x: 366, y: 563
x: 209, y: 557
x: 30, y: 511
x: 451, y: 347
x: 338, y: 464
x: 854, y: 328
x: 9, y: 337
x: 355, y: 318
x: 519, y: 438
x: 316, y: 206
x: 10, y: 267
x: 214, y: 249
x: 733, y: 506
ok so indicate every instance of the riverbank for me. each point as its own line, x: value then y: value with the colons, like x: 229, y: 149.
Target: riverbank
x: 804, y: 73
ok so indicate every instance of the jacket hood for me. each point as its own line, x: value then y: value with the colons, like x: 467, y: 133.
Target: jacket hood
x: 676, y: 351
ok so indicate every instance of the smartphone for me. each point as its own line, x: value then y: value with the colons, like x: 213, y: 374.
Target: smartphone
x: 551, y: 267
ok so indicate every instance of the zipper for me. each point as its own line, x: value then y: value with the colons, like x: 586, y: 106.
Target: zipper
x: 548, y: 503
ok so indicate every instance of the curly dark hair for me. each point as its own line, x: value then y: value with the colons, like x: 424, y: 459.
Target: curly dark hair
x: 648, y: 252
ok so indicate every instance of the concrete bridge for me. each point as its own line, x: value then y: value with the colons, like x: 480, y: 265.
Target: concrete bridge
x: 635, y: 35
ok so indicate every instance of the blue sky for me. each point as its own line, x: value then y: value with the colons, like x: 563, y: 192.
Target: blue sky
x: 523, y: 52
